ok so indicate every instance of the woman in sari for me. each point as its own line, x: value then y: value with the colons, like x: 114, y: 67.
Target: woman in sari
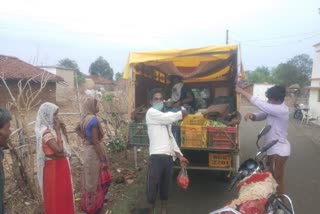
x: 96, y: 173
x: 52, y: 163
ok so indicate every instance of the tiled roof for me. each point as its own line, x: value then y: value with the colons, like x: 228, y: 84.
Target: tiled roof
x: 14, y: 68
x: 122, y: 82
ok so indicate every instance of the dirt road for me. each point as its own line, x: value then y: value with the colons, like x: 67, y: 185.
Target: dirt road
x: 207, y: 192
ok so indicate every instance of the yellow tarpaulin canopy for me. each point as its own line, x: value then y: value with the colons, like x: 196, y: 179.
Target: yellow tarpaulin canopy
x: 197, y: 62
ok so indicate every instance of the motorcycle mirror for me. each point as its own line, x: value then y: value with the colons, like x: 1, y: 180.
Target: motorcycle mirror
x: 248, y: 165
x: 264, y: 131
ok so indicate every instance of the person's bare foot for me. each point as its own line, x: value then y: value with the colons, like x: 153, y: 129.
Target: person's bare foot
x: 164, y: 207
x: 164, y: 211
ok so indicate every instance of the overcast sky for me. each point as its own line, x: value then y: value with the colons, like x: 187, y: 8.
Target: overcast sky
x: 42, y: 32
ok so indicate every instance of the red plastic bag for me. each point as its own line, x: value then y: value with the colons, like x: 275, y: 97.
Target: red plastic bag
x: 183, y: 179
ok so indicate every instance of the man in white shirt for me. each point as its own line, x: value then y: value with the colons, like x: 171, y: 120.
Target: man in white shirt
x: 276, y: 114
x: 163, y: 150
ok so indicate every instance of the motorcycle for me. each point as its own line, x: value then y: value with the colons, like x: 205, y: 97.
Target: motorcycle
x: 299, y: 109
x: 257, y: 187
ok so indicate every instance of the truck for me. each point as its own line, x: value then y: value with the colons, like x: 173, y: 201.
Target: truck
x: 212, y: 73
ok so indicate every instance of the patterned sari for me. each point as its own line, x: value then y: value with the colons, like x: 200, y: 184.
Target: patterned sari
x: 96, y: 179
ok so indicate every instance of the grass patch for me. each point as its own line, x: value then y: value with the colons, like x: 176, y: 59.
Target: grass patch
x: 133, y: 194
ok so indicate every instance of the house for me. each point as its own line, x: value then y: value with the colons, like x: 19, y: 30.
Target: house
x: 99, y: 82
x: 64, y: 91
x: 14, y: 70
x: 314, y: 94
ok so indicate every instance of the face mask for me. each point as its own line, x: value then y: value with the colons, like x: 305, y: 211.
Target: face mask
x: 158, y: 106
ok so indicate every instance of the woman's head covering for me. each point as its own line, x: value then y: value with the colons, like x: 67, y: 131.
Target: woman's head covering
x: 45, y: 115
x: 89, y: 110
x: 89, y: 106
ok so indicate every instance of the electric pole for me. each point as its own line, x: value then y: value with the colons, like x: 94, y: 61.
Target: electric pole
x: 227, y: 37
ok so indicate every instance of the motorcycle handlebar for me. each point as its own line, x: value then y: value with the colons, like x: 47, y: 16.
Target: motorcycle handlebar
x: 268, y: 146
x: 234, y: 181
x: 283, y: 207
x: 279, y: 204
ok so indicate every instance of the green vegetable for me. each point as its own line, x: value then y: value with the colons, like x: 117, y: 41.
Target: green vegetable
x: 216, y: 124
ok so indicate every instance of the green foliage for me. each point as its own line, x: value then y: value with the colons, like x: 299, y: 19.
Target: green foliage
x: 119, y: 137
x: 117, y: 145
x: 296, y: 70
x: 101, y: 67
x: 71, y: 64
x: 107, y: 98
x: 259, y: 75
x: 303, y: 63
x: 285, y: 74
x: 80, y: 78
x: 119, y: 76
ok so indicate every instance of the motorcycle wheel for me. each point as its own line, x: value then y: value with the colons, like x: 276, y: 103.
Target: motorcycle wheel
x: 297, y: 115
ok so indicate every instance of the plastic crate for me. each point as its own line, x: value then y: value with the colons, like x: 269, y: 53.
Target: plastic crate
x: 176, y: 133
x: 194, y: 131
x: 138, y: 134
x: 194, y: 119
x: 222, y: 137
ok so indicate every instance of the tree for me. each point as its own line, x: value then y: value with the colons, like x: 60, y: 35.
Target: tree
x: 71, y: 64
x: 101, y: 67
x: 285, y: 74
x: 119, y: 76
x: 296, y: 70
x: 259, y: 75
x: 303, y: 63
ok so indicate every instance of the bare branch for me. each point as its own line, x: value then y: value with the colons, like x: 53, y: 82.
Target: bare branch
x: 32, y: 79
x: 21, y: 94
x: 37, y: 103
x: 8, y: 89
x: 44, y: 79
x: 30, y: 89
x: 30, y: 92
x: 24, y: 101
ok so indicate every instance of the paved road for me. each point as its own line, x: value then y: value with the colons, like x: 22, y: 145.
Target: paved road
x: 207, y: 192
